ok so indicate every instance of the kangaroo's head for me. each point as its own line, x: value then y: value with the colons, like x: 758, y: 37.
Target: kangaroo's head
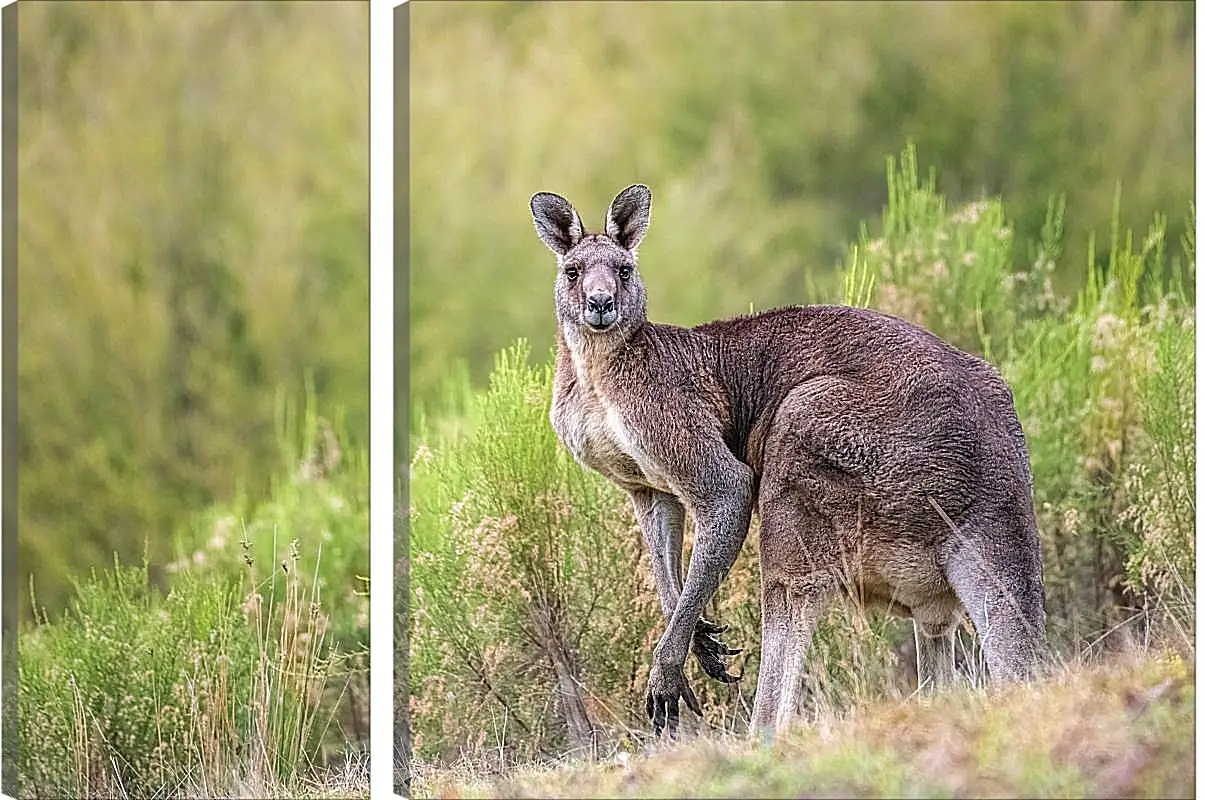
x: 598, y: 290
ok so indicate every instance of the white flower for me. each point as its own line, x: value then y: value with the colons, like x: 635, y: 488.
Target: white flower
x: 969, y: 213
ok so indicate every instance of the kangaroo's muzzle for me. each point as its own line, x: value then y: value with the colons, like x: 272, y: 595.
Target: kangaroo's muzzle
x: 600, y: 311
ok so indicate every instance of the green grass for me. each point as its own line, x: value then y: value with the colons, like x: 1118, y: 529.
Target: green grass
x: 1118, y: 729
x: 244, y: 675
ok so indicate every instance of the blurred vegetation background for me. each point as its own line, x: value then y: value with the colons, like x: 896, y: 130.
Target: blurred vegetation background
x: 192, y: 248
x: 762, y: 129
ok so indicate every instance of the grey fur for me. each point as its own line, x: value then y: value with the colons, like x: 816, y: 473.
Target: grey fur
x: 884, y: 465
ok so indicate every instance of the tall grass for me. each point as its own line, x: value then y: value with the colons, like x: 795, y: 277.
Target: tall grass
x: 241, y: 678
x: 504, y: 523
x: 202, y: 692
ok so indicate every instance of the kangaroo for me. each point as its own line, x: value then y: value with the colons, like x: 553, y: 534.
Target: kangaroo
x: 885, y: 466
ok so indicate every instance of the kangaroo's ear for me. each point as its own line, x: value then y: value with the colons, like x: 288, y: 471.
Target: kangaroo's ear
x: 557, y: 223
x: 628, y: 216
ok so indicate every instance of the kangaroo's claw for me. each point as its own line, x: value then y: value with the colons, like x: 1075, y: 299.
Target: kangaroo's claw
x: 710, y: 651
x: 705, y: 625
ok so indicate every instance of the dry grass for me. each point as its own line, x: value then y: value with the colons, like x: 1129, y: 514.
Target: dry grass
x: 350, y: 780
x: 1121, y: 729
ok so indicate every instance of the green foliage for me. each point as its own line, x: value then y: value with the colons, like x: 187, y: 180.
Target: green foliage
x: 1163, y: 508
x: 947, y: 271
x: 131, y: 693
x: 761, y: 129
x: 110, y: 695
x: 1104, y: 391
x: 525, y: 575
x: 320, y: 500
x: 1122, y: 406
x: 245, y: 677
x: 191, y: 241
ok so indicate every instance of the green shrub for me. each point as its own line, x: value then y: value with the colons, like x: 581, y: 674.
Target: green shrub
x: 528, y: 601
x: 1159, y: 480
x: 948, y: 271
x: 114, y: 695
x: 210, y: 689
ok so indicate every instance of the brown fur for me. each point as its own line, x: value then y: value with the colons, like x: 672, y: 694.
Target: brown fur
x: 883, y: 463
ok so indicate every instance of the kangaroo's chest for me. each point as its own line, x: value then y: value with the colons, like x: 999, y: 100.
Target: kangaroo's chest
x: 600, y: 436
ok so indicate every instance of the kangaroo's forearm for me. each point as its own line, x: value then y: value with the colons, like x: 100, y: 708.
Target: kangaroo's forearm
x: 661, y: 519
x: 722, y: 524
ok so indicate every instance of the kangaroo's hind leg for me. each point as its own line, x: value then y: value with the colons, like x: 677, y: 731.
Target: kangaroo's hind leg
x: 775, y: 630
x: 993, y: 562
x: 789, y: 620
x: 798, y: 582
x: 810, y: 512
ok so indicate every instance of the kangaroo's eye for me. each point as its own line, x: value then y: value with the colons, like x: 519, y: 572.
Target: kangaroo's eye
x: 625, y: 272
x: 571, y: 273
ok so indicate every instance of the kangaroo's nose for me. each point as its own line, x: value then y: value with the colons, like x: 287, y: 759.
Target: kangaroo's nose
x: 600, y: 304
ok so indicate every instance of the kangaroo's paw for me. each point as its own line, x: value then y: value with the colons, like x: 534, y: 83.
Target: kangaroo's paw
x: 667, y: 685
x: 710, y: 651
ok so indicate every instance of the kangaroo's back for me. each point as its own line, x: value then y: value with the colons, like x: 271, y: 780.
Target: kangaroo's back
x: 898, y: 382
